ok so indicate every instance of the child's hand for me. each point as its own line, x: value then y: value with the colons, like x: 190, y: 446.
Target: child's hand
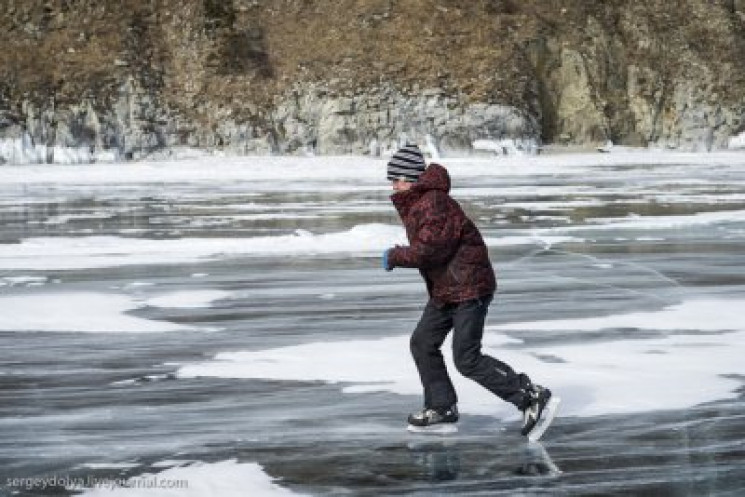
x: 386, y: 265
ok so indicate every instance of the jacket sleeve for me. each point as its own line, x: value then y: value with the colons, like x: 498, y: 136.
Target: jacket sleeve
x: 435, y: 238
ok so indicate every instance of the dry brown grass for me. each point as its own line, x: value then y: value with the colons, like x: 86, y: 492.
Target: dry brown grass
x: 240, y: 54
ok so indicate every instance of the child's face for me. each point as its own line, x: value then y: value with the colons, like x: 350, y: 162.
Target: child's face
x: 400, y: 185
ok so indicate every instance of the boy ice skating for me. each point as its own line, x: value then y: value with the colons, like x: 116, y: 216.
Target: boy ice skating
x: 448, y: 250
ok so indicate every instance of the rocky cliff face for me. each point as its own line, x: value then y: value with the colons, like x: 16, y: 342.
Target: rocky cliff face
x: 132, y: 77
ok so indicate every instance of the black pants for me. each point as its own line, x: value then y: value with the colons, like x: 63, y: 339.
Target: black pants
x: 467, y: 320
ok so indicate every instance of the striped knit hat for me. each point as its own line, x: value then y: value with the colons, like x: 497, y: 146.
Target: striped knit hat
x: 406, y: 164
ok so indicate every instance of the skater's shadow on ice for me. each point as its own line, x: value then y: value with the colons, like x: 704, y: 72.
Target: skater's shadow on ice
x: 441, y: 460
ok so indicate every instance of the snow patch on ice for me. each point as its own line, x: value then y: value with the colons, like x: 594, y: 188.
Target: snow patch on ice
x: 108, y: 251
x: 109, y: 465
x: 139, y: 284
x: 84, y: 312
x: 545, y: 241
x: 23, y: 280
x: 695, y: 315
x: 593, y: 378
x: 64, y: 219
x: 188, y: 298
x: 635, y: 221
x: 221, y: 479
x: 46, y: 253
x: 169, y: 463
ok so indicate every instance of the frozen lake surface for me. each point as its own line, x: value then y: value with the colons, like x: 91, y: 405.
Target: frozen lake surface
x: 225, y: 324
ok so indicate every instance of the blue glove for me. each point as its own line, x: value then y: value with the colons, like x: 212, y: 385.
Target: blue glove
x: 386, y: 266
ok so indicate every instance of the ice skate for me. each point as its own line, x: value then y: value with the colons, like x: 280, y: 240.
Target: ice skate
x: 539, y: 414
x: 434, y: 421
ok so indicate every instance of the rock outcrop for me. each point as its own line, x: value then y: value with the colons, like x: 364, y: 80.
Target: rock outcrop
x: 81, y: 79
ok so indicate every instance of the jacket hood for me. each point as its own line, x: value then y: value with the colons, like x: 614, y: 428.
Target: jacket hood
x: 435, y: 177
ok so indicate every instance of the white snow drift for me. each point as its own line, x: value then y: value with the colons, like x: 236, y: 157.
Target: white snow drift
x: 221, y: 479
x: 595, y: 378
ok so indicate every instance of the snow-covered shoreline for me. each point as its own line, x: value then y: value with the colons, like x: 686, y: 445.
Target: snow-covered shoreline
x: 338, y: 168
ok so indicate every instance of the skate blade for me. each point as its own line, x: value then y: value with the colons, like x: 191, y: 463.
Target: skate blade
x: 549, y: 412
x: 438, y: 429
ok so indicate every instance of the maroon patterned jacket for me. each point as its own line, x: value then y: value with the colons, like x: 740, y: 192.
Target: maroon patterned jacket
x: 444, y: 244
